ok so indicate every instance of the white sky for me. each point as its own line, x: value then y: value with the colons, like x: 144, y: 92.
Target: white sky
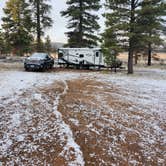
x: 59, y: 27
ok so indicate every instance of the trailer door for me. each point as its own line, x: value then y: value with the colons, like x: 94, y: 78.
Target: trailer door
x: 97, y: 58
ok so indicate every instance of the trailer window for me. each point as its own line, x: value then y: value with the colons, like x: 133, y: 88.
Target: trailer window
x: 97, y: 54
x: 81, y: 55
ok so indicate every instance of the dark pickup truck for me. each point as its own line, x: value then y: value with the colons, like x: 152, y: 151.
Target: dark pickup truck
x: 38, y: 61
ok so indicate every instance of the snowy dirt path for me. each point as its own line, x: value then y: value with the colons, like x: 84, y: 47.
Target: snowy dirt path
x: 118, y: 119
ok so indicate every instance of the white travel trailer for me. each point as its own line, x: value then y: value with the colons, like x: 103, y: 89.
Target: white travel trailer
x: 81, y: 57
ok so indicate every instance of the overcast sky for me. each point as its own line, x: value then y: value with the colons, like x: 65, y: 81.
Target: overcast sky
x: 59, y: 27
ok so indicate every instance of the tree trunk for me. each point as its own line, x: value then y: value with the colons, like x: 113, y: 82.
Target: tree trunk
x: 38, y: 26
x: 149, y: 54
x: 131, y: 39
x: 130, y: 62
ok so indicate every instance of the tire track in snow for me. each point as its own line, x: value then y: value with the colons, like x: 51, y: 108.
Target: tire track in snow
x: 71, y: 148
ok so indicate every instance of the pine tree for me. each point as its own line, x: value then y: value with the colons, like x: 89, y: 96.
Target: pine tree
x: 2, y: 44
x: 82, y: 22
x: 110, y: 42
x: 17, y: 25
x: 151, y: 24
x: 48, y: 46
x: 136, y: 24
x: 41, y: 10
x: 5, y: 47
x: 122, y: 15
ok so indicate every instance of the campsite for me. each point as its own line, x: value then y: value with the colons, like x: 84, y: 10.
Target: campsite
x: 82, y: 83
x: 78, y: 117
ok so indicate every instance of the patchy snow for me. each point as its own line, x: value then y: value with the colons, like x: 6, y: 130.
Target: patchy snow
x: 31, y: 125
x: 145, y: 92
x: 15, y: 119
x: 71, y: 145
x: 26, y: 118
x: 74, y: 121
x: 12, y: 82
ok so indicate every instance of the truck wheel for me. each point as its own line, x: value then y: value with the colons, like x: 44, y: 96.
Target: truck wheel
x: 52, y: 66
x: 44, y: 68
x: 26, y: 69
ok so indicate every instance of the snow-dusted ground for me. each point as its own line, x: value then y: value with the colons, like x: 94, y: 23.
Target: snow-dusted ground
x: 33, y: 132
x: 16, y: 81
x: 147, y: 88
x: 29, y: 122
x: 145, y: 92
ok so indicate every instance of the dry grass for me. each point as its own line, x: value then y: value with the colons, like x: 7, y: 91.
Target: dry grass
x: 124, y: 56
x: 11, y: 66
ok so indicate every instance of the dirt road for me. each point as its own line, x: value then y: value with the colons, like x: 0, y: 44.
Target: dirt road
x: 76, y: 119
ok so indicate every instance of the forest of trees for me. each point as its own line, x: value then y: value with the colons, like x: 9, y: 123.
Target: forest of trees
x: 135, y: 26
x: 23, y: 26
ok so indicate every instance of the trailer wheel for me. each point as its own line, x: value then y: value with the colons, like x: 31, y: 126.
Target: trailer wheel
x: 77, y: 66
x: 87, y: 67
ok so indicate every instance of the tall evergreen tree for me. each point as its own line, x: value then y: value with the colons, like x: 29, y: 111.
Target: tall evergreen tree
x: 110, y: 42
x: 82, y: 22
x: 41, y: 10
x: 2, y: 44
x: 122, y: 15
x: 17, y: 25
x: 150, y: 22
x: 5, y: 47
